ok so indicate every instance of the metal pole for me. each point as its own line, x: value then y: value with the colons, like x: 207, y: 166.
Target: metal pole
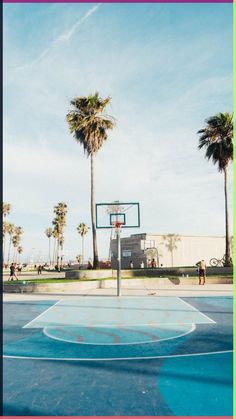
x: 118, y: 262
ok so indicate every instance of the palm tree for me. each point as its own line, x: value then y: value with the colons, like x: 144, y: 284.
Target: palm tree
x: 55, y: 236
x: 16, y: 238
x: 82, y: 230
x: 11, y: 231
x: 217, y: 139
x: 48, y: 233
x: 59, y: 223
x: 19, y: 251
x: 5, y: 225
x: 16, y: 243
x: 6, y: 208
x: 89, y: 126
x: 170, y: 242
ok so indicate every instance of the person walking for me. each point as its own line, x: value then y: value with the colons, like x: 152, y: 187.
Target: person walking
x: 39, y: 270
x: 12, y: 272
x: 201, y: 271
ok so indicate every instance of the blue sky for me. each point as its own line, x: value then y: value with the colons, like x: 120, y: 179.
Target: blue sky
x: 167, y: 67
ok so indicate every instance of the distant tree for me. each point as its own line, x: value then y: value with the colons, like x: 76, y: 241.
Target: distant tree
x: 89, y: 126
x: 59, y: 223
x: 6, y: 209
x: 217, y: 139
x: 82, y: 230
x: 20, y: 251
x: 10, y: 231
x: 170, y: 241
x: 4, y: 232
x: 48, y: 233
x: 16, y: 238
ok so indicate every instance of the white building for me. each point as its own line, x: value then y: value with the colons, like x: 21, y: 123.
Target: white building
x: 168, y: 250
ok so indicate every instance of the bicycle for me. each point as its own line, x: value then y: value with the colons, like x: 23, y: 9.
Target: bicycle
x: 219, y: 262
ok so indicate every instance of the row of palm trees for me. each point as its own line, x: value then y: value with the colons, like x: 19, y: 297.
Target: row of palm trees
x: 89, y: 125
x: 14, y: 234
x: 58, y: 234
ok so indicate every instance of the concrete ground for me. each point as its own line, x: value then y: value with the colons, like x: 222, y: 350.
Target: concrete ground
x: 163, y: 290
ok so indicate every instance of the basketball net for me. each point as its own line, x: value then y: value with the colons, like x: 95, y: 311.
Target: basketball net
x: 117, y: 226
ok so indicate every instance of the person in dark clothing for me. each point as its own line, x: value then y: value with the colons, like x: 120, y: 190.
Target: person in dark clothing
x: 12, y: 272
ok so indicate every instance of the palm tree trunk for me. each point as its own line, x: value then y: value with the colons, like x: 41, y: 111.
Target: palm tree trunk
x: 9, y: 250
x: 54, y: 252
x: 4, y: 252
x: 49, y: 251
x: 14, y: 255
x: 227, y: 243
x: 82, y: 249
x: 58, y: 258
x: 95, y: 250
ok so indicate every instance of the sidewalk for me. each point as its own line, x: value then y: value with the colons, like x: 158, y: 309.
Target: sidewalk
x: 208, y: 290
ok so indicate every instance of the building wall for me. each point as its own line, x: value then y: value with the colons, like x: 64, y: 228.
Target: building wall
x: 189, y: 250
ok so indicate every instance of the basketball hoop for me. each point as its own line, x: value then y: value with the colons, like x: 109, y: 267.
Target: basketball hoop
x: 117, y: 226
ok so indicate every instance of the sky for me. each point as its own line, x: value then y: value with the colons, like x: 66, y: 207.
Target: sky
x: 167, y: 67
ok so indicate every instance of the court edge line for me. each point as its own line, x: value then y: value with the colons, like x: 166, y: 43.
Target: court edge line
x: 119, y: 344
x: 31, y: 321
x: 188, y: 304
x: 116, y: 359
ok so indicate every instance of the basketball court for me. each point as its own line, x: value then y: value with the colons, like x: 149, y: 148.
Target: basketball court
x: 129, y: 355
x: 108, y: 355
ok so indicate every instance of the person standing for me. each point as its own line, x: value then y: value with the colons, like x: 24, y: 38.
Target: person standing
x: 202, y: 271
x: 12, y: 272
x: 131, y: 265
x: 153, y: 263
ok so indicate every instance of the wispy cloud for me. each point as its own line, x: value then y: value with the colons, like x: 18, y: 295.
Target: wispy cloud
x: 61, y: 39
x: 66, y: 36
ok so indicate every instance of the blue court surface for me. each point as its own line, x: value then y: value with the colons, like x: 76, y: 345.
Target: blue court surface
x: 125, y: 356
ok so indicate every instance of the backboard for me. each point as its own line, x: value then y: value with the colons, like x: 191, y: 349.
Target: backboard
x: 126, y: 213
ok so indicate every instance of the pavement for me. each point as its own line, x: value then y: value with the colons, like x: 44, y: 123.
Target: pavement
x: 163, y: 290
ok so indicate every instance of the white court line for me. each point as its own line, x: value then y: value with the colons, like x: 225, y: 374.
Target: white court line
x: 117, y: 359
x: 211, y: 321
x: 26, y: 325
x: 116, y: 325
x: 119, y: 344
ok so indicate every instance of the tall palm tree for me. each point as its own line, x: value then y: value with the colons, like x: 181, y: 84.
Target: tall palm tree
x: 19, y: 251
x: 217, y: 139
x: 48, y: 233
x: 82, y: 230
x: 55, y: 236
x: 11, y: 231
x: 89, y: 126
x: 16, y: 243
x: 16, y: 238
x: 6, y: 208
x: 5, y: 225
x: 59, y: 223
x: 170, y: 241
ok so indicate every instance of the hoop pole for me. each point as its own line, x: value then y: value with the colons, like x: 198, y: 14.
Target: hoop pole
x: 118, y: 262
